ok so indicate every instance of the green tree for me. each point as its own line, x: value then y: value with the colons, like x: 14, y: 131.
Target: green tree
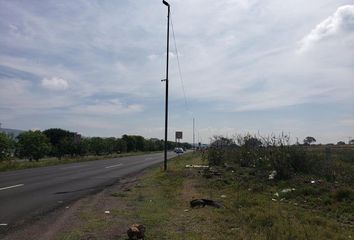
x: 110, y: 145
x: 6, y: 146
x: 121, y: 146
x: 61, y: 141
x: 32, y: 145
x: 139, y: 143
x: 96, y: 145
x: 131, y: 145
x: 308, y: 140
x: 82, y: 147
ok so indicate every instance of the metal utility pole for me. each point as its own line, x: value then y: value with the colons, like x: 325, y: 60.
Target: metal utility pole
x: 193, y: 134
x: 166, y: 80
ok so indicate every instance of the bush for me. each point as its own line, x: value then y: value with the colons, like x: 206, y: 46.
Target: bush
x: 216, y: 156
x: 218, y: 149
x: 266, y: 154
x: 6, y: 146
x: 32, y: 145
x: 344, y: 194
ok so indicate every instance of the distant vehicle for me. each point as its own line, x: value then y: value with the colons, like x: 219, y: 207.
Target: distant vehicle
x: 179, y: 150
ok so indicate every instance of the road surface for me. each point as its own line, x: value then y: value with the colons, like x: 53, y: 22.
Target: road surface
x: 33, y: 192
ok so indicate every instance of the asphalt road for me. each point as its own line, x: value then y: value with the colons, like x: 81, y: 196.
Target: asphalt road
x: 27, y: 193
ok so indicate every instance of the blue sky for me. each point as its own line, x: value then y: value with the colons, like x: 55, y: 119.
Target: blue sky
x: 247, y: 65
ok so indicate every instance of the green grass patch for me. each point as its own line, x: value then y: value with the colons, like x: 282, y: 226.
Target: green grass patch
x: 160, y: 201
x: 17, y: 165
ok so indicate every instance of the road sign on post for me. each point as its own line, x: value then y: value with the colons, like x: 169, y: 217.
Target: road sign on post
x: 179, y: 135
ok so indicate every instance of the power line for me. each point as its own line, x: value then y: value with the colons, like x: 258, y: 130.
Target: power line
x: 181, y: 79
x: 179, y: 65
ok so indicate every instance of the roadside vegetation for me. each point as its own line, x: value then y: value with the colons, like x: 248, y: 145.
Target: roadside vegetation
x: 301, y: 205
x: 57, y: 146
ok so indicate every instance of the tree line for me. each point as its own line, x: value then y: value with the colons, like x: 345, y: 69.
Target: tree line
x: 56, y: 142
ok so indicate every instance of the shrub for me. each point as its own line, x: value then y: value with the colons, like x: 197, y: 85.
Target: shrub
x: 344, y: 194
x: 265, y: 154
x: 6, y: 146
x: 216, y: 156
x: 32, y: 145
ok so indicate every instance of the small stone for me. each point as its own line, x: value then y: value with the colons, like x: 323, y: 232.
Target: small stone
x: 234, y: 228
x: 223, y: 196
x: 107, y: 212
x: 186, y: 210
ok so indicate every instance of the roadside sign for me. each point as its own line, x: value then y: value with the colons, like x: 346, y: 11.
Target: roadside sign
x: 179, y: 135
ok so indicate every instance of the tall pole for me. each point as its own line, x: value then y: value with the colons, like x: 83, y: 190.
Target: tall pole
x: 193, y: 134
x: 166, y: 100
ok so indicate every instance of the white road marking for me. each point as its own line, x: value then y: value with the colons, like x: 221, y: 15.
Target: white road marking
x: 117, y: 165
x: 18, y: 185
x: 72, y: 167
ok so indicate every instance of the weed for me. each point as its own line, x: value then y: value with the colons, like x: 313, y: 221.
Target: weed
x: 344, y: 194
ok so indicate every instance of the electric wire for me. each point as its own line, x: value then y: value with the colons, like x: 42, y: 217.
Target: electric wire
x: 179, y: 65
x: 181, y: 78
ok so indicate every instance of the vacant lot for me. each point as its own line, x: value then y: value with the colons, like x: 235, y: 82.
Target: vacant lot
x: 304, y: 207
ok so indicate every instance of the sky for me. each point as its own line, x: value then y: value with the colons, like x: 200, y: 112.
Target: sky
x: 247, y: 66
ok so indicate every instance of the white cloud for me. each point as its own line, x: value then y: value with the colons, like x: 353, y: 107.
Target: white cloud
x: 153, y: 57
x: 341, y: 23
x: 55, y: 83
x: 18, y: 95
x: 121, y: 68
x: 114, y: 107
x: 238, y: 56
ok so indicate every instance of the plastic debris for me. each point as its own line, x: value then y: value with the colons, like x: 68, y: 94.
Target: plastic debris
x: 223, y: 196
x: 273, y: 199
x: 107, y: 212
x: 276, y: 194
x: 3, y: 224
x: 272, y: 175
x: 197, y: 166
x: 186, y: 210
x: 286, y: 190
